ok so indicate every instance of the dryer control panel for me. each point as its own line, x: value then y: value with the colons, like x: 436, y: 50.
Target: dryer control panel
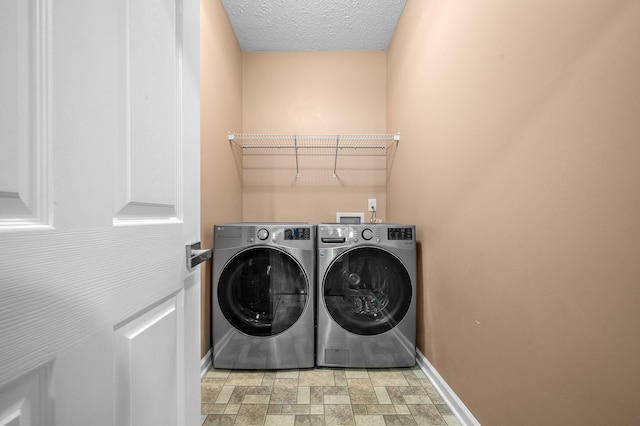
x: 292, y: 235
x: 297, y: 234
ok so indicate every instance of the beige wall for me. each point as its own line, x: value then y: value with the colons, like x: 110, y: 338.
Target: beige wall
x: 521, y: 138
x: 221, y: 110
x: 311, y: 93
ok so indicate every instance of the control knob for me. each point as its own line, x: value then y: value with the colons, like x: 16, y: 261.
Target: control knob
x: 263, y: 234
x: 367, y: 234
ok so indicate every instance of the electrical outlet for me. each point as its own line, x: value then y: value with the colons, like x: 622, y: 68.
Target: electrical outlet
x: 372, y: 205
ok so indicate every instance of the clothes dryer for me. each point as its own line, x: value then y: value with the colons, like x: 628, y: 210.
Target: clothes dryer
x: 263, y: 295
x: 366, y: 299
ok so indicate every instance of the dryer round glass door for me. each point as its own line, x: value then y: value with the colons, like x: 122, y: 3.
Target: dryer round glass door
x: 367, y: 291
x: 262, y: 291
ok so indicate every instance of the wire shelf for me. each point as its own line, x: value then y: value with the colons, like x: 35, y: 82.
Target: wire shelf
x: 321, y: 145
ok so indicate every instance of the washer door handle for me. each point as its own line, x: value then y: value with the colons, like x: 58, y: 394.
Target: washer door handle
x: 334, y: 240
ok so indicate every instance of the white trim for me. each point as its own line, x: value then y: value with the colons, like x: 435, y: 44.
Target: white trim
x: 457, y: 407
x: 205, y: 363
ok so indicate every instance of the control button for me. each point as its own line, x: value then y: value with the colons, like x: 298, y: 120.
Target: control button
x: 263, y: 234
x: 251, y: 240
x: 367, y: 234
x: 355, y: 240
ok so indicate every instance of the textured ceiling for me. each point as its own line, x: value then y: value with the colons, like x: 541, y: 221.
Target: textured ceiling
x: 294, y: 25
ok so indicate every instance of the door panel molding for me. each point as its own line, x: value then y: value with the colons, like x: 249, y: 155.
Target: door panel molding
x: 150, y: 185
x: 144, y: 346
x: 24, y: 401
x: 24, y: 124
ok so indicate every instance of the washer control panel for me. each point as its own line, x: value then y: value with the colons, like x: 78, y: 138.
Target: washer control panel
x: 391, y: 235
x: 400, y: 234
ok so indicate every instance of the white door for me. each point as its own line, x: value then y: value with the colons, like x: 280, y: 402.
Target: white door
x: 99, y: 193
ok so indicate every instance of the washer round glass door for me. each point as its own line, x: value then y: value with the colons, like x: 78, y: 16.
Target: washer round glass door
x: 367, y: 291
x: 262, y: 291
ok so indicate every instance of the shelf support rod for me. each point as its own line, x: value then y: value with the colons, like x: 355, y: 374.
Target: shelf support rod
x: 295, y: 144
x: 335, y: 160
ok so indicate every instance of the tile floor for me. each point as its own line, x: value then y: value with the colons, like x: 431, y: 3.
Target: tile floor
x: 322, y: 396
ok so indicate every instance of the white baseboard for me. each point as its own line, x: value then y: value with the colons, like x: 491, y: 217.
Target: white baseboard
x: 205, y: 363
x: 459, y: 410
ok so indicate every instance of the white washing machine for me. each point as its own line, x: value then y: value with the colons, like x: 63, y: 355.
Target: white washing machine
x: 263, y: 295
x: 366, y: 299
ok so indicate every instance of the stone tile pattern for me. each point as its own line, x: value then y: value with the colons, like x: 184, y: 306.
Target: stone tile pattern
x: 322, y: 396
